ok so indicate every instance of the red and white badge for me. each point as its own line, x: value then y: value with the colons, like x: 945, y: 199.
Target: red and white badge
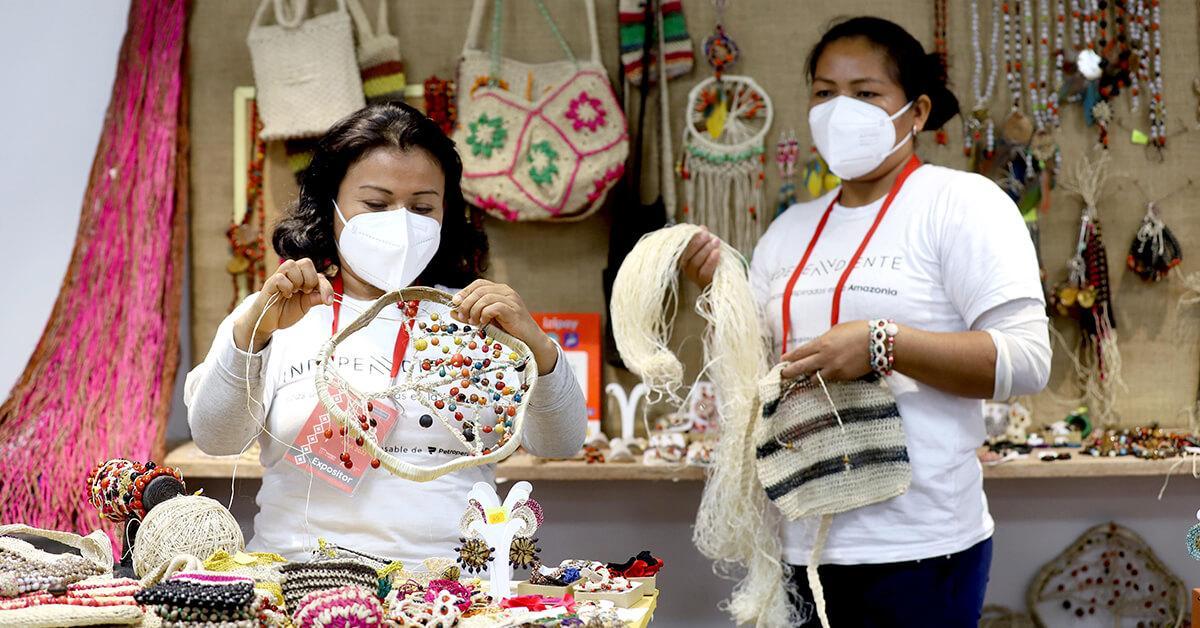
x: 313, y: 452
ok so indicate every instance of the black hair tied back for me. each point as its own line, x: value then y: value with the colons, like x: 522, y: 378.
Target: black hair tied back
x: 915, y: 71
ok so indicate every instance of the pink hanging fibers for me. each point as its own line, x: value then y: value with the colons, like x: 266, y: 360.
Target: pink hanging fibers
x: 99, y: 383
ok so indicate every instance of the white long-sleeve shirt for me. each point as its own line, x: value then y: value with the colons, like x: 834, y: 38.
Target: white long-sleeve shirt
x: 952, y: 254
x: 386, y: 515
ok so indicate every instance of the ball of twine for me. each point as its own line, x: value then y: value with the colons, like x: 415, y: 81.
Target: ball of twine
x: 188, y: 524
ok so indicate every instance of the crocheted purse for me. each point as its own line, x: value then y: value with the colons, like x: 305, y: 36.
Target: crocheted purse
x: 301, y: 579
x: 824, y: 448
x: 538, y: 141
x: 304, y: 69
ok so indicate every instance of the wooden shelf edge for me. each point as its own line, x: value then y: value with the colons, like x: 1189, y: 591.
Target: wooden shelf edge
x: 195, y: 464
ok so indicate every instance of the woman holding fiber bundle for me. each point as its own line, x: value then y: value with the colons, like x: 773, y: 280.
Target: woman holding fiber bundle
x: 924, y: 275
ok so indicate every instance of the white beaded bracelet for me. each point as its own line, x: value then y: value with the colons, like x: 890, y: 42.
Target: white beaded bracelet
x: 883, y: 344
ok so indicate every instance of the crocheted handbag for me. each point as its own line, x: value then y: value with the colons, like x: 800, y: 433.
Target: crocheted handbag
x: 304, y: 69
x: 538, y: 141
x: 822, y: 449
x: 379, y: 61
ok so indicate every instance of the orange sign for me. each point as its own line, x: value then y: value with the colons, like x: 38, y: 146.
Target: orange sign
x: 579, y: 336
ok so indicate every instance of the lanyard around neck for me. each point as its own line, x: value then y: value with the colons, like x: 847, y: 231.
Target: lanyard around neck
x: 402, y: 336
x: 909, y: 168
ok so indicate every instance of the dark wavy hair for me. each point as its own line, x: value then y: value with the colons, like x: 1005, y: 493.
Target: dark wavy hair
x: 307, y: 227
x: 916, y: 72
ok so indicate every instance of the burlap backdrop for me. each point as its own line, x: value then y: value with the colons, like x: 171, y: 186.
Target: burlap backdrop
x: 557, y: 267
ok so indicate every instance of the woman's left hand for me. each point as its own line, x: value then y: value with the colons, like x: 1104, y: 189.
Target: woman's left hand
x: 841, y: 354
x: 485, y: 303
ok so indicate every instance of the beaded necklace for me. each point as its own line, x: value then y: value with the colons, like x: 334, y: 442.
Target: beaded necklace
x: 979, y: 133
x: 1035, y: 64
x: 1130, y: 32
x: 1077, y: 25
x: 1158, y: 107
x: 1012, y: 55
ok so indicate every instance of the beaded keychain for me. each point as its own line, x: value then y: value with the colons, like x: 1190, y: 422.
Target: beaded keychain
x: 787, y: 153
x: 979, y: 132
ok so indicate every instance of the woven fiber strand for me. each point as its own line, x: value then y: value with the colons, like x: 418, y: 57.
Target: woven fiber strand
x: 48, y: 610
x: 190, y: 524
x: 810, y: 463
x: 99, y: 382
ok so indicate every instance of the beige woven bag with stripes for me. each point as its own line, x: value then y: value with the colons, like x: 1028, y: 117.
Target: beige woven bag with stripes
x: 825, y: 448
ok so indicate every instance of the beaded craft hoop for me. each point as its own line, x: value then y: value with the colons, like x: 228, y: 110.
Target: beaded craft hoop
x: 449, y: 376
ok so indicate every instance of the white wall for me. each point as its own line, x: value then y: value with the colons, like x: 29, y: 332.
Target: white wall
x: 50, y: 117
x: 59, y: 59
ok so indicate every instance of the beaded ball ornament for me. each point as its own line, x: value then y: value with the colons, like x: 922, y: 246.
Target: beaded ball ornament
x: 475, y: 381
x: 123, y: 489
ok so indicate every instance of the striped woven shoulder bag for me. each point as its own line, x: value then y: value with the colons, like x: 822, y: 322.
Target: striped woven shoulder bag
x: 826, y: 448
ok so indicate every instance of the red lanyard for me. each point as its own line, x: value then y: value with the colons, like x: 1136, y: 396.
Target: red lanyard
x: 909, y: 168
x: 402, y: 336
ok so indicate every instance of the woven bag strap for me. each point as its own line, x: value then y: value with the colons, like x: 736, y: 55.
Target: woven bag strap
x: 95, y: 547
x: 475, y: 26
x: 299, y: 10
x: 363, y: 25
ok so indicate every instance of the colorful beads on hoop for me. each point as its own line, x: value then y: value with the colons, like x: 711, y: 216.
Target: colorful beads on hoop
x: 720, y: 50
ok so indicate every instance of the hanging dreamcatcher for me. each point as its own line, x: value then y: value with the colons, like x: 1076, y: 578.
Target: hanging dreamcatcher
x: 1086, y: 296
x: 724, y: 152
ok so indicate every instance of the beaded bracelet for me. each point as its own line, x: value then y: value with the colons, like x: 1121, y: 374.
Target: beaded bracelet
x: 882, y: 345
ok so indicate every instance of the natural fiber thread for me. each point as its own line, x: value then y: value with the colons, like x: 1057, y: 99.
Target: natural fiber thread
x: 734, y: 526
x: 100, y: 381
x: 814, y: 561
x: 189, y: 524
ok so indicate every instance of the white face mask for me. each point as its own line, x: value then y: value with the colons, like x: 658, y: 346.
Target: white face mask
x: 388, y: 249
x: 854, y: 137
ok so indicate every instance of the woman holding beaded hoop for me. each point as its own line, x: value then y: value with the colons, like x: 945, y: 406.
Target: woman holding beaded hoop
x: 923, y: 274
x: 380, y: 208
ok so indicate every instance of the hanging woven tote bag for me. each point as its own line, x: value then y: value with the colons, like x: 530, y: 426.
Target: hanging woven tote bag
x: 826, y: 448
x: 380, y: 63
x: 538, y: 141
x: 304, y: 69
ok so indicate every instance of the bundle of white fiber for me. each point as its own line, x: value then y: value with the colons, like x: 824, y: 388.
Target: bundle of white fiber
x: 188, y: 524
x: 734, y: 525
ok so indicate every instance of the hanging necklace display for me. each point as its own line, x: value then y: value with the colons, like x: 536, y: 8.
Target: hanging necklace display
x: 723, y: 143
x: 787, y: 153
x: 940, y: 17
x: 1152, y: 60
x: 1017, y: 127
x: 1086, y: 297
x: 979, y: 131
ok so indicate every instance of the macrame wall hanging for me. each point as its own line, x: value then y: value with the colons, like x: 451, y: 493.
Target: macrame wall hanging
x: 724, y: 151
x: 1086, y: 297
x: 100, y: 380
x: 734, y: 525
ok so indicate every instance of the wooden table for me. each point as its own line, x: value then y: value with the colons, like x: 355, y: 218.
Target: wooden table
x: 195, y: 464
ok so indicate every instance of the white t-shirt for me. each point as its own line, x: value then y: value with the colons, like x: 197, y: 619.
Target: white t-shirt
x: 951, y: 246
x: 386, y: 515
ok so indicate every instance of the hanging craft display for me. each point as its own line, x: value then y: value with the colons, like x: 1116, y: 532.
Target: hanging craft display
x: 1155, y: 250
x: 553, y: 146
x: 1086, y: 296
x: 818, y: 178
x: 297, y: 104
x: 439, y: 103
x: 734, y: 525
x: 1110, y: 577
x: 724, y: 152
x: 677, y: 49
x: 378, y: 52
x: 787, y: 153
x: 940, y: 47
x: 247, y: 231
x: 476, y: 382
x: 979, y: 131
x: 102, y: 375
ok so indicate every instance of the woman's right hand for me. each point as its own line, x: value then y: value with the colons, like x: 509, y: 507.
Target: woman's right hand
x: 299, y: 287
x: 700, y: 258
